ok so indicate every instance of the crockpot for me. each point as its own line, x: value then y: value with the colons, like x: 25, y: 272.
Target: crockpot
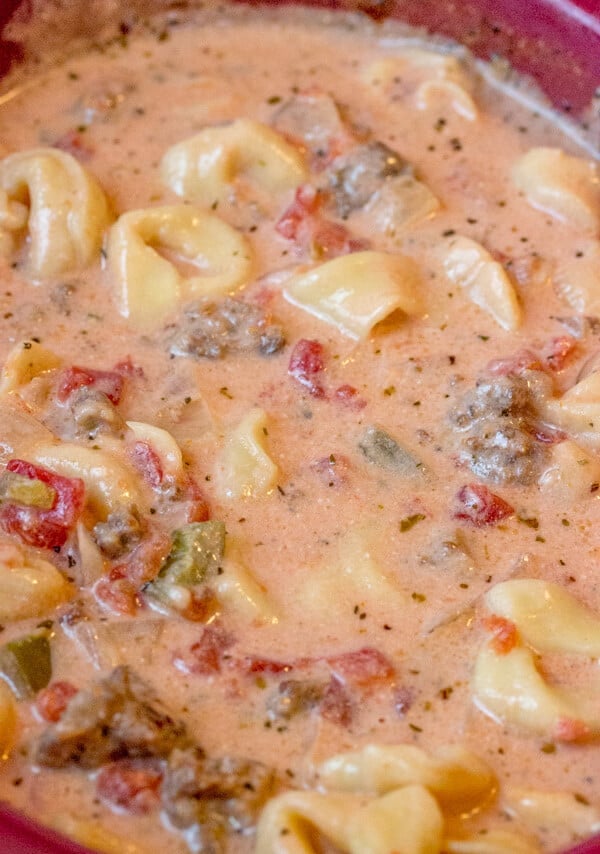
x: 556, y: 42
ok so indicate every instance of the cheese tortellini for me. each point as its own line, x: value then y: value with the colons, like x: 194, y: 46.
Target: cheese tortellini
x: 566, y: 187
x: 205, y: 168
x: 388, y: 798
x: 29, y: 585
x: 109, y: 483
x: 245, y: 469
x: 149, y: 286
x: 577, y: 281
x: 436, y: 77
x: 507, y: 684
x: 356, y: 291
x: 578, y: 410
x: 469, y: 265
x: 26, y: 360
x: 47, y: 194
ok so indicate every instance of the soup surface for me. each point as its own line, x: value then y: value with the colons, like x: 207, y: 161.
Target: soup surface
x: 299, y: 433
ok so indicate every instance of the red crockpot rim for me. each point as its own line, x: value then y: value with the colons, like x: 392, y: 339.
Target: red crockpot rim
x: 556, y: 42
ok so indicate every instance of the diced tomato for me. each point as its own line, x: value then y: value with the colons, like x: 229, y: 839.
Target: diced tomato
x: 108, y: 382
x: 147, y: 462
x: 127, y: 368
x: 73, y: 143
x: 349, y: 396
x: 336, y: 705
x: 570, y: 729
x: 505, y: 635
x: 52, y: 701
x: 251, y: 664
x: 480, y: 506
x: 199, y: 508
x: 46, y: 529
x: 294, y: 219
x: 117, y: 593
x: 557, y: 352
x: 306, y: 363
x: 516, y: 364
x: 303, y: 223
x: 131, y: 785
x: 205, y: 656
x: 363, y: 668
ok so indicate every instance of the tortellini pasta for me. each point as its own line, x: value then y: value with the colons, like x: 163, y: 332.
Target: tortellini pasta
x: 578, y: 410
x: 548, y: 617
x: 572, y: 472
x: 493, y: 842
x: 386, y: 798
x: 109, y: 483
x: 507, y: 684
x: 566, y: 187
x: 205, y: 168
x: 353, y: 575
x: 47, y: 193
x: 149, y: 286
x: 246, y: 470
x: 26, y: 360
x: 437, y: 78
x: 29, y: 585
x: 470, y: 266
x: 408, y: 816
x: 356, y: 291
x: 560, y: 811
x: 236, y: 586
x: 577, y: 281
x: 454, y: 775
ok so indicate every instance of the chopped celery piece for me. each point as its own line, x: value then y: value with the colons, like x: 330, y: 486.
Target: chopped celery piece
x: 196, y: 553
x: 26, y: 665
x: 19, y: 489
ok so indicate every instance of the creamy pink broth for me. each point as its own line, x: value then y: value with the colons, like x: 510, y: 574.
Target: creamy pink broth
x: 410, y: 372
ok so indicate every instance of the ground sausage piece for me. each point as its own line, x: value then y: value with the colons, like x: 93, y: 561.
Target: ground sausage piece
x: 357, y: 176
x: 122, y: 530
x: 210, y: 330
x: 210, y: 797
x: 117, y: 718
x: 497, y: 421
x: 93, y: 413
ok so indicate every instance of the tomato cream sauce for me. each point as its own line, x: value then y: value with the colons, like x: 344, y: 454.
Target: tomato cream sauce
x: 349, y: 553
